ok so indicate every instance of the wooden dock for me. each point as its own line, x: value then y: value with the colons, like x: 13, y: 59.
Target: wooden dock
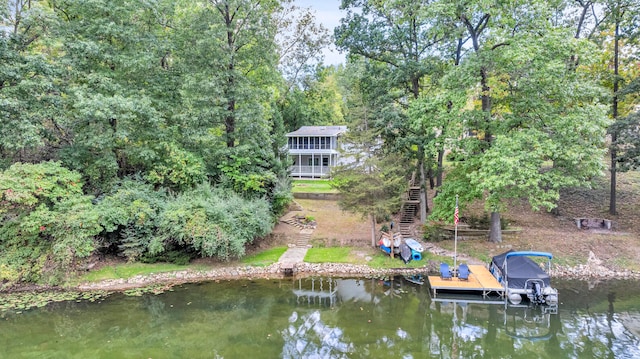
x: 480, y: 281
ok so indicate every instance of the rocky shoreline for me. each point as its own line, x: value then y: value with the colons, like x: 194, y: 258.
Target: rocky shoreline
x: 593, y: 270
x: 586, y: 272
x: 30, y: 296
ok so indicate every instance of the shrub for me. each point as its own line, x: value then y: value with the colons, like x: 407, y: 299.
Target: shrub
x: 211, y: 223
x: 129, y: 215
x: 46, y: 220
x: 281, y: 196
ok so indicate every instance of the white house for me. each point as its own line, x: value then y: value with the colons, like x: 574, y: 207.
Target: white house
x: 314, y: 150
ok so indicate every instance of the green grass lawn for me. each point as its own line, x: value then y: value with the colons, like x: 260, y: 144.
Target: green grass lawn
x: 312, y: 186
x: 330, y: 255
x: 384, y: 261
x: 265, y: 258
x: 379, y: 260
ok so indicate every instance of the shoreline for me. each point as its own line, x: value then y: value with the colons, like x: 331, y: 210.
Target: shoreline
x: 19, y: 298
x: 584, y: 272
x: 303, y: 270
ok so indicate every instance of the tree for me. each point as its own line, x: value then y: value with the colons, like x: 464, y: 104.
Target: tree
x: 300, y: 42
x: 402, y: 35
x: 27, y: 73
x: 627, y: 145
x: 318, y: 102
x: 372, y: 189
x: 371, y: 183
x: 525, y: 144
x: 624, y: 18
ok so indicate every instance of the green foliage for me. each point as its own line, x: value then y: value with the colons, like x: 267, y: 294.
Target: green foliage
x: 483, y: 222
x: 240, y: 174
x: 47, y: 220
x: 628, y: 143
x: 179, y: 257
x: 211, y: 223
x: 177, y: 169
x: 433, y: 232
x: 129, y: 216
x: 281, y: 195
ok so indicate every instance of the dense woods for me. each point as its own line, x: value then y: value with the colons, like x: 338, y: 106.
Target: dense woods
x: 154, y: 130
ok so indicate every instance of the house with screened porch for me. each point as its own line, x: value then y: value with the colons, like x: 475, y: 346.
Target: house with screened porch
x: 314, y: 150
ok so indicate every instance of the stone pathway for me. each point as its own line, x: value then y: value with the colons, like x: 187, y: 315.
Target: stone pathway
x: 296, y: 252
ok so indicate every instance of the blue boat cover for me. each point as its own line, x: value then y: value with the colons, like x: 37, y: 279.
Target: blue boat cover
x: 520, y: 269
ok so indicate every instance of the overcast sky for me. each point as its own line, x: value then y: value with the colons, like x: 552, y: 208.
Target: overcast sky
x: 328, y: 13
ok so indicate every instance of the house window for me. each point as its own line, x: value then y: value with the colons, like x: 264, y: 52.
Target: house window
x: 313, y: 162
x: 325, y: 161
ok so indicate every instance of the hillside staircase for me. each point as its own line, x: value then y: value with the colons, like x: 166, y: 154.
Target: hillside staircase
x: 410, y: 207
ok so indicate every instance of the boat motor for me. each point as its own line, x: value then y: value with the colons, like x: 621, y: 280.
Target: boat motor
x: 550, y: 296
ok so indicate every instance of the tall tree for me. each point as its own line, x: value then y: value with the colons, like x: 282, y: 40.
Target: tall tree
x: 29, y: 90
x: 228, y: 49
x: 300, y: 42
x: 318, y: 101
x: 624, y: 18
x: 402, y: 35
x: 114, y: 56
x: 372, y: 181
x: 518, y: 133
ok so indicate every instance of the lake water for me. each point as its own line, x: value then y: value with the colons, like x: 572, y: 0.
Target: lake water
x: 327, y: 318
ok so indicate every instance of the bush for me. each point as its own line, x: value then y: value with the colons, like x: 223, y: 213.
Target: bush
x: 211, y: 223
x: 177, y: 169
x: 129, y: 217
x: 434, y: 233
x: 282, y: 196
x: 484, y: 222
x: 178, y: 257
x: 47, y: 222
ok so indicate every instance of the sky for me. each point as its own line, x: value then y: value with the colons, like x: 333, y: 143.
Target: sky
x: 328, y: 13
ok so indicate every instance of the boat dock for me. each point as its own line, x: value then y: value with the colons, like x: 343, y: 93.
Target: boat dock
x: 480, y: 281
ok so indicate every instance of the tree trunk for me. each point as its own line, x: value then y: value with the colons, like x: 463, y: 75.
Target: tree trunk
x: 440, y: 169
x: 614, y: 115
x: 495, y: 232
x: 373, y: 229
x: 423, y: 192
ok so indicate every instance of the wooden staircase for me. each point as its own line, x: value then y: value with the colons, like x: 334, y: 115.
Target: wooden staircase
x: 410, y: 208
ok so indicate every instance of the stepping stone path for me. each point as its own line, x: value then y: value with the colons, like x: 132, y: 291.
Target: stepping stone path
x: 296, y: 252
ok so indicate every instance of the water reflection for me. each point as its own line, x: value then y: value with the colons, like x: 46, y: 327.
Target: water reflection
x: 448, y: 328
x: 328, y: 318
x: 309, y: 337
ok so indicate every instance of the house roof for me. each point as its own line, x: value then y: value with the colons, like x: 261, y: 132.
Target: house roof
x: 318, y: 131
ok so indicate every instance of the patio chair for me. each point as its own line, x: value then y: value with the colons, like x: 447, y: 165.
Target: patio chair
x: 445, y: 272
x: 463, y: 272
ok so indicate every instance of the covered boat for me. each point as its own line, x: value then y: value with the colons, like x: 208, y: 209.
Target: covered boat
x: 523, y: 278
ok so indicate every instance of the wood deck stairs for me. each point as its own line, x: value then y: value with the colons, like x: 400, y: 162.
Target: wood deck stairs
x: 410, y: 208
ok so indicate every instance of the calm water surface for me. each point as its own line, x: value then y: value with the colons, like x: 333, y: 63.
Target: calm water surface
x: 327, y: 318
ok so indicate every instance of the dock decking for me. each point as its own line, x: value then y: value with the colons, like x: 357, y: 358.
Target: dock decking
x: 480, y: 280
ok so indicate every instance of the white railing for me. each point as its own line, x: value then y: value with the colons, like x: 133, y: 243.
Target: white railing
x: 310, y: 147
x: 309, y: 170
